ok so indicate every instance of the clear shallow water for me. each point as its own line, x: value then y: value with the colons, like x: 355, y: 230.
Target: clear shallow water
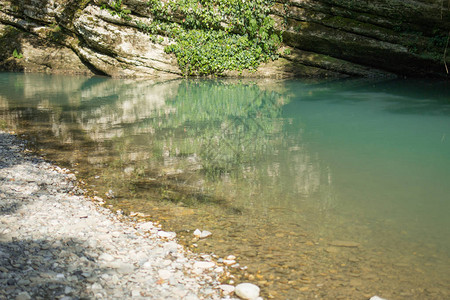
x: 283, y: 173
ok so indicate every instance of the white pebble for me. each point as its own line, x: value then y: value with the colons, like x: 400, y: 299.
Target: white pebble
x: 205, y: 234
x: 229, y: 262
x: 204, y: 264
x: 147, y: 226
x: 164, y: 274
x: 247, y: 291
x: 197, y: 233
x: 166, y: 234
x: 201, y: 234
x: 106, y: 257
x: 226, y: 288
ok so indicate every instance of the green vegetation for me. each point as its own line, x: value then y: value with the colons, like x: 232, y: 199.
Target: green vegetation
x: 16, y: 54
x: 201, y: 52
x: 215, y: 36
x: 115, y: 9
x: 287, y: 51
x: 209, y: 37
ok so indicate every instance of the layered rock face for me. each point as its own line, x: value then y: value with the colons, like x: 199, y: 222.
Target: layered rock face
x: 321, y: 38
x: 78, y: 37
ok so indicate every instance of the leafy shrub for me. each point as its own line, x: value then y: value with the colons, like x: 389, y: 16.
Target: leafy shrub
x: 115, y: 9
x: 213, y: 36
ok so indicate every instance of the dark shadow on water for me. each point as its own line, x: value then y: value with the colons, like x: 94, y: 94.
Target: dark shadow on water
x: 402, y: 96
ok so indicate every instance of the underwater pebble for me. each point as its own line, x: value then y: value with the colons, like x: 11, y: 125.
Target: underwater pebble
x: 348, y: 244
x: 201, y: 234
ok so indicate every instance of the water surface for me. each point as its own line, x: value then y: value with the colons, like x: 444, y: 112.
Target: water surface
x: 326, y: 189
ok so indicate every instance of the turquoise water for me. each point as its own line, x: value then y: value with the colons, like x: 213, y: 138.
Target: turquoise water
x: 284, y: 173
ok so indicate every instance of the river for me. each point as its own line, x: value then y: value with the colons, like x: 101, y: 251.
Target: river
x: 328, y: 189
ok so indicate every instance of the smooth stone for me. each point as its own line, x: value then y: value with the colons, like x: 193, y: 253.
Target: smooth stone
x: 125, y: 268
x: 147, y: 226
x: 201, y: 234
x: 227, y: 288
x: 164, y: 274
x: 229, y: 262
x: 332, y: 249
x: 204, y: 264
x: 205, y: 234
x: 96, y: 286
x: 376, y: 298
x: 167, y: 234
x: 23, y: 296
x: 197, y: 233
x: 106, y: 257
x: 247, y: 291
x: 147, y: 265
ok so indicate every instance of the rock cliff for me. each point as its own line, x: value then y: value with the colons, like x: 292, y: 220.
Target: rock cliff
x: 405, y: 37
x: 320, y: 38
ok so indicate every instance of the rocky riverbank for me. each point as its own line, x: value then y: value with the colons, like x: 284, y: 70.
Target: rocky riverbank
x: 55, y: 243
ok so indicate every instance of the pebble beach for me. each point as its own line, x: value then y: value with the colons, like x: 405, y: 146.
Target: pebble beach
x: 56, y: 243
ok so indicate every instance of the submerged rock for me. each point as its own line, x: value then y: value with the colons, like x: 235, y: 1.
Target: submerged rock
x: 202, y: 234
x: 348, y: 244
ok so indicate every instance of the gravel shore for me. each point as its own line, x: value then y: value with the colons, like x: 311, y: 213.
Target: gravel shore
x: 55, y: 243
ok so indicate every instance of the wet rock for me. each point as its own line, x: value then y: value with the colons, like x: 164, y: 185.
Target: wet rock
x: 229, y: 262
x: 201, y: 234
x: 331, y: 249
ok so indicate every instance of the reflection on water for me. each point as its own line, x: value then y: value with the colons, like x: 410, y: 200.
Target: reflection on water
x: 323, y: 189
